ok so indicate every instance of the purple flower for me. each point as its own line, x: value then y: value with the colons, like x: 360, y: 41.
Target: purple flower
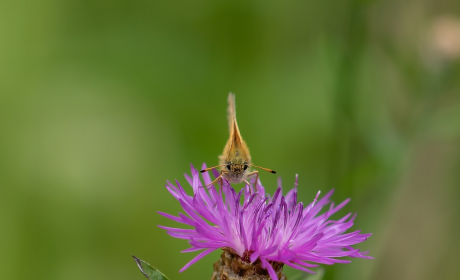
x: 270, y: 228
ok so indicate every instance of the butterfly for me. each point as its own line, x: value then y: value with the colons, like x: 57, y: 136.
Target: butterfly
x: 235, y: 161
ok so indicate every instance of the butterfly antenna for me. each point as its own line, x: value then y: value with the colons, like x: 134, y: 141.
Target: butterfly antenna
x: 211, y: 168
x: 266, y: 169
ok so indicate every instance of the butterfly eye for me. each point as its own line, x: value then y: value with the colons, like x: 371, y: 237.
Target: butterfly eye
x: 245, y: 167
x: 228, y: 166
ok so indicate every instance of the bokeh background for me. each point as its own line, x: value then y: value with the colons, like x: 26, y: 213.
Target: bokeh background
x: 101, y: 102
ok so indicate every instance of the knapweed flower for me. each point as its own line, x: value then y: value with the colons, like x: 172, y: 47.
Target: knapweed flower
x: 253, y: 227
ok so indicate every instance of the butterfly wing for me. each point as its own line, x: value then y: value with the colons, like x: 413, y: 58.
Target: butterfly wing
x: 236, y: 149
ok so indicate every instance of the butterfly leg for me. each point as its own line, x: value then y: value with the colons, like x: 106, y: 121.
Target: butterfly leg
x: 257, y: 178
x: 215, y: 180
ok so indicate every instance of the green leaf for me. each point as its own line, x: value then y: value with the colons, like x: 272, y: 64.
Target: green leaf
x: 150, y: 272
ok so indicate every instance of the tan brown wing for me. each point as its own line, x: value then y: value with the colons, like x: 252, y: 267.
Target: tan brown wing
x: 235, y: 148
x: 231, y: 111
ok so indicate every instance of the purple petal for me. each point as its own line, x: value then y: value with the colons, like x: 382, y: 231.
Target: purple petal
x: 299, y: 267
x: 270, y: 269
x: 197, y: 258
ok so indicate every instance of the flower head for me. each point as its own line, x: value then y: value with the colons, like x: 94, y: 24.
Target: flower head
x: 259, y: 227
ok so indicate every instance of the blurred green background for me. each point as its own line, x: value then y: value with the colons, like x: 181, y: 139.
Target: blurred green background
x: 101, y: 102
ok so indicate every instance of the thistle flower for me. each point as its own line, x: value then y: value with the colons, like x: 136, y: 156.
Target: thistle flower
x: 264, y: 231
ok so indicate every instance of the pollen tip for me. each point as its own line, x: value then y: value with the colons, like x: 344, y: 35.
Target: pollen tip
x: 202, y: 171
x: 273, y: 171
